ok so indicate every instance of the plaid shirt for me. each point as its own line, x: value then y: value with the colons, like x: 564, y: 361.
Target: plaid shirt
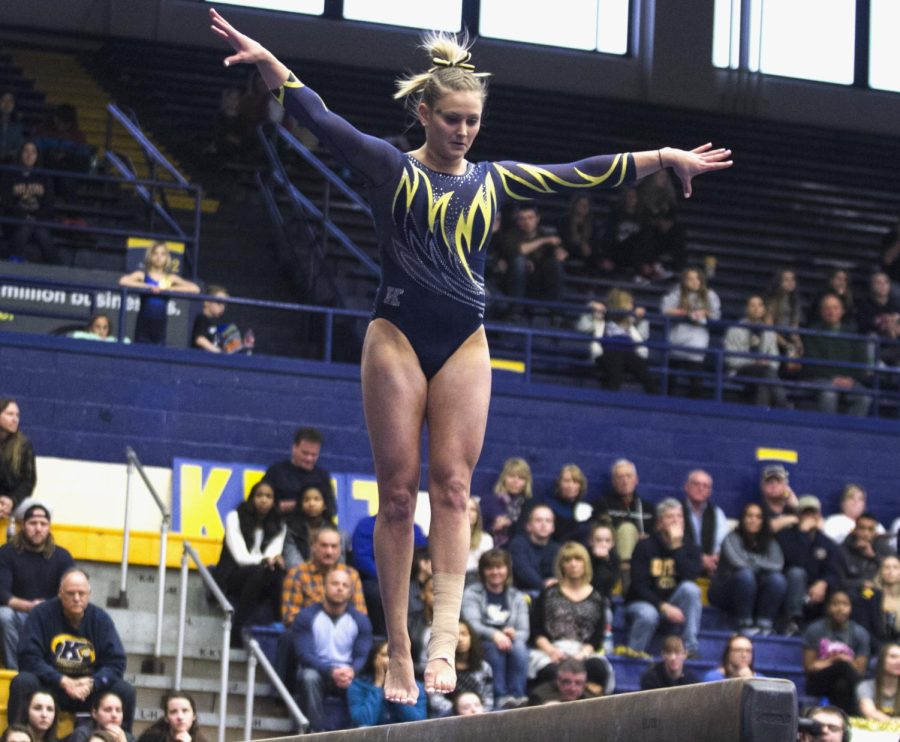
x: 304, y: 585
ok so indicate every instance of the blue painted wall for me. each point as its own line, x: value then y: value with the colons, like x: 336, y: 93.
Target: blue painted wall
x: 89, y: 400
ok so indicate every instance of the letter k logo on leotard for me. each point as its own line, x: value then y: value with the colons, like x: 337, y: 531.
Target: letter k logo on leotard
x: 392, y: 296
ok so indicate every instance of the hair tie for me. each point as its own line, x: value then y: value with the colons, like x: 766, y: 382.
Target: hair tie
x: 462, y: 63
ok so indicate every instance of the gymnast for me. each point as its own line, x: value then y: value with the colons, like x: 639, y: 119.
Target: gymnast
x: 425, y: 357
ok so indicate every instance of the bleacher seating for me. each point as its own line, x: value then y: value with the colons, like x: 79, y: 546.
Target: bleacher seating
x: 778, y: 206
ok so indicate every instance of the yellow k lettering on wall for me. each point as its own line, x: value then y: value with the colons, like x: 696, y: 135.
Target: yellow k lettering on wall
x: 199, y: 514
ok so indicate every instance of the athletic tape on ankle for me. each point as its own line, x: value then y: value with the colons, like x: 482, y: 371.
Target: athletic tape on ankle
x: 448, y: 592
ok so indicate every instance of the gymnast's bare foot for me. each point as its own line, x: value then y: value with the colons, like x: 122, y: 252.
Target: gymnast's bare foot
x: 400, y: 681
x: 440, y: 676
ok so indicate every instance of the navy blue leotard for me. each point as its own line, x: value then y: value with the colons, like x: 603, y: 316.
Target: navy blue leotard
x: 433, y: 229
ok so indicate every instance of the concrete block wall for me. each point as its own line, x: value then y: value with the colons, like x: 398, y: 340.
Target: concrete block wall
x: 89, y: 400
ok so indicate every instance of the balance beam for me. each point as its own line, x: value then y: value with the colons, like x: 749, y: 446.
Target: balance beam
x: 747, y: 710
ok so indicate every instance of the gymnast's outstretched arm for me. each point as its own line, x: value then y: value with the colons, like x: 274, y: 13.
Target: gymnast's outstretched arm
x: 368, y: 155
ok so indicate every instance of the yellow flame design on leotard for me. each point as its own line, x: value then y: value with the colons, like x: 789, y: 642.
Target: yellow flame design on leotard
x: 463, y: 239
x: 542, y: 180
x: 484, y: 203
x: 437, y: 250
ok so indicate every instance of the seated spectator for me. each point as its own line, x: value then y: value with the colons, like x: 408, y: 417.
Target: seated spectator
x: 570, y: 684
x: 502, y: 508
x: 604, y: 559
x: 28, y: 195
x: 473, y: 673
x: 879, y: 697
x: 784, y: 310
x: 214, y: 334
x: 534, y: 552
x: 479, y: 541
x: 877, y: 610
x: 853, y: 503
x: 332, y: 641
x: 304, y: 584
x: 41, y: 718
x: 749, y: 584
x: 99, y: 662
x: 578, y: 228
x: 99, y: 327
x: 704, y: 523
x: 106, y: 715
x: 364, y: 560
x: 227, y: 129
x: 659, y: 200
x: 178, y: 723
x: 17, y: 467
x: 861, y: 555
x: 206, y: 332
x: 626, y: 248
x: 568, y: 620
x: 879, y: 314
x: 17, y: 733
x: 832, y: 725
x: 619, y: 331
x: 632, y: 516
x: 663, y: 588
x: 761, y: 344
x: 365, y: 696
x: 534, y: 257
x: 290, y: 477
x: 737, y: 661
x: 837, y: 284
x: 835, y: 654
x: 498, y: 615
x: 693, y: 305
x: 890, y: 257
x: 670, y: 670
x: 31, y: 567
x: 251, y: 569
x: 833, y: 380
x: 12, y: 129
x: 811, y: 565
x: 304, y: 522
x: 63, y: 141
x: 256, y: 107
x: 157, y: 275
x: 467, y: 703
x: 779, y: 503
x: 419, y: 621
x: 570, y: 512
x: 420, y: 573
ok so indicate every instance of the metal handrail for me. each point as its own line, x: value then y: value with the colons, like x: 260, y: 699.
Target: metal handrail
x: 134, y: 464
x: 256, y: 655
x: 529, y: 334
x: 155, y: 157
x: 135, y: 131
x: 191, y: 553
x: 332, y: 230
x: 131, y: 178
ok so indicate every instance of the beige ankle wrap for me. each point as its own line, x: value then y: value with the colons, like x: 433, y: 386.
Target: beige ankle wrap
x: 448, y: 591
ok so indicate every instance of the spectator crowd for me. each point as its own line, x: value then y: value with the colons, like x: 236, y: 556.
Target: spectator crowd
x: 559, y: 585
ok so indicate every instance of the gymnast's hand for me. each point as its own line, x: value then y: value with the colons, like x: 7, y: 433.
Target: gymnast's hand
x: 248, y: 50
x: 688, y: 165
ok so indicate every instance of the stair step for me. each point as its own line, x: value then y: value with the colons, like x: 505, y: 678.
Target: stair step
x: 197, y: 685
